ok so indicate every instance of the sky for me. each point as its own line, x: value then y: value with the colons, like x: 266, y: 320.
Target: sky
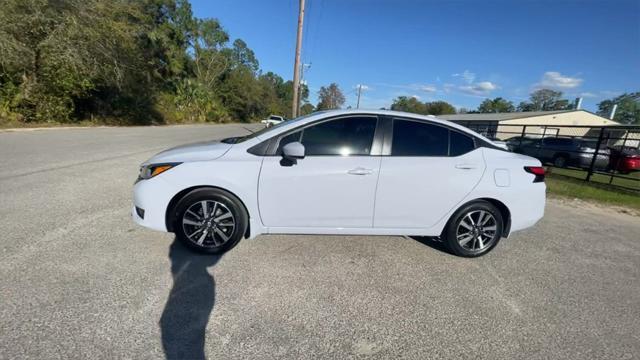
x: 458, y: 51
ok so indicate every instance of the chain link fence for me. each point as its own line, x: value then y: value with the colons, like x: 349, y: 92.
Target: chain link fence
x: 603, y: 154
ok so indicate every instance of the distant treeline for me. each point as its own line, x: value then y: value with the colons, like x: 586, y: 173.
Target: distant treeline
x: 135, y: 62
x: 627, y: 105
x: 152, y: 61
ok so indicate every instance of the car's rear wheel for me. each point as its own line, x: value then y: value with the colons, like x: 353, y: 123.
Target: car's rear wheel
x: 210, y: 220
x: 560, y: 161
x: 474, y: 229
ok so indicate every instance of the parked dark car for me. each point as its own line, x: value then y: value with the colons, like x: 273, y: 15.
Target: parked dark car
x: 561, y: 151
x: 514, y: 143
x: 624, y: 159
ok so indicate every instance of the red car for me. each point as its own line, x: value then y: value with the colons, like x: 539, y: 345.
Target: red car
x: 624, y: 159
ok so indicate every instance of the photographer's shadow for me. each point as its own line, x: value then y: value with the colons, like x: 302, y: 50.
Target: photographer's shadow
x: 186, y: 314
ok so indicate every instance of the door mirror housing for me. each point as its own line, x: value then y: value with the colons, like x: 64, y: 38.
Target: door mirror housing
x: 293, y: 151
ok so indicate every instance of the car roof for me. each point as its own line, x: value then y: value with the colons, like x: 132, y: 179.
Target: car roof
x: 335, y: 113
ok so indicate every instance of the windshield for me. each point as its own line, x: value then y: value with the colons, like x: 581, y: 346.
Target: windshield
x: 264, y: 131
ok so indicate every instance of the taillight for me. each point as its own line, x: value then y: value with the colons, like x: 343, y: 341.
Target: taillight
x: 538, y: 171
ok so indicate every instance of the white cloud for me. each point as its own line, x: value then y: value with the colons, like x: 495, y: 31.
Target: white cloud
x: 481, y: 88
x: 448, y: 87
x: 364, y: 87
x: 587, y: 94
x: 469, y: 85
x: 415, y: 97
x: 428, y: 88
x: 555, y: 80
x: 467, y: 76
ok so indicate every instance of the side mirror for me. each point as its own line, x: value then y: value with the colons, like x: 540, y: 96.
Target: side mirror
x: 293, y: 151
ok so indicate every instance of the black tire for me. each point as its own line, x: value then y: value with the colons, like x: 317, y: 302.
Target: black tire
x: 560, y: 161
x: 218, y: 204
x: 453, y: 237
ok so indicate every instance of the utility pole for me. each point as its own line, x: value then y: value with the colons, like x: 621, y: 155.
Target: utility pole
x: 359, y: 92
x: 296, y: 65
x: 302, y: 82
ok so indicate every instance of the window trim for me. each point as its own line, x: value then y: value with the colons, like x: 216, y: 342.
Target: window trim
x: 389, y: 142
x: 383, y: 135
x: 376, y: 144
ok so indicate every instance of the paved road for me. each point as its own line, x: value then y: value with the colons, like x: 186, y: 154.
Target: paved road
x: 79, y: 280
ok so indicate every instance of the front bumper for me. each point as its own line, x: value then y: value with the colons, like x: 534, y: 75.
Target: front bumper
x: 152, y: 196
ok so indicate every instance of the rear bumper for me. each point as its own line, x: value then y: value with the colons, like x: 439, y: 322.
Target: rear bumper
x: 527, y: 213
x: 602, y: 161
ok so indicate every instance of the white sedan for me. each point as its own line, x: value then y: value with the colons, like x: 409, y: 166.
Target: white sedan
x: 343, y: 172
x: 272, y: 120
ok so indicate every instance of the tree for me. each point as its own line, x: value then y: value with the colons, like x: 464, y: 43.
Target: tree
x: 167, y: 30
x: 439, y: 108
x: 525, y: 106
x: 331, y: 97
x: 132, y: 61
x: 545, y: 100
x: 497, y: 105
x: 58, y: 55
x: 409, y: 104
x: 628, y: 111
x: 208, y: 60
x: 413, y: 105
x: 306, y: 109
x: 243, y: 56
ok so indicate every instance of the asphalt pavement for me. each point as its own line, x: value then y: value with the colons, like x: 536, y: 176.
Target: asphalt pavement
x: 78, y: 279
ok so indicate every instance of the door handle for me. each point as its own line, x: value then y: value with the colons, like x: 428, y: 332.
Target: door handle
x: 466, y: 166
x: 360, y: 171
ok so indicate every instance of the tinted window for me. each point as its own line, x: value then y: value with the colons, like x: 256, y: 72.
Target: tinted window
x: 411, y: 138
x: 346, y: 136
x: 288, y: 139
x: 460, y: 144
x: 557, y: 141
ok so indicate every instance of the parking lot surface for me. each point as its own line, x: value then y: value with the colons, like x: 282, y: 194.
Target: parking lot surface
x: 78, y: 279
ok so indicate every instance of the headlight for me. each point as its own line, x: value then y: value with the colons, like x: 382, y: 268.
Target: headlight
x: 149, y: 171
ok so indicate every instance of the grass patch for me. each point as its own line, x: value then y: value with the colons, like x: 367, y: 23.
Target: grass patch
x: 574, y: 188
x: 631, y: 181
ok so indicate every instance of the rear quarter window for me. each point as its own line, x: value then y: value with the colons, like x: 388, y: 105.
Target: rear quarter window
x: 460, y: 144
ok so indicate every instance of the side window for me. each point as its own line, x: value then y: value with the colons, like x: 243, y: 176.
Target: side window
x: 460, y: 144
x: 345, y: 136
x: 293, y: 137
x: 556, y: 141
x: 412, y: 138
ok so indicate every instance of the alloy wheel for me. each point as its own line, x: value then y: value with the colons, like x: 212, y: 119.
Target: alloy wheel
x: 208, y: 223
x: 477, y: 230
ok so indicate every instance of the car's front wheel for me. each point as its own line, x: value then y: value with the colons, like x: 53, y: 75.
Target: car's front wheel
x: 474, y: 229
x: 210, y: 220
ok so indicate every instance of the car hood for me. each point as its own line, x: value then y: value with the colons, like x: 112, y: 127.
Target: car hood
x: 200, y: 151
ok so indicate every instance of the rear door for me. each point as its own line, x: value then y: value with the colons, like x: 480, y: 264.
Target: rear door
x: 430, y: 170
x: 332, y: 187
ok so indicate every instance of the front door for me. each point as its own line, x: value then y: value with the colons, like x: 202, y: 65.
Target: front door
x: 332, y: 187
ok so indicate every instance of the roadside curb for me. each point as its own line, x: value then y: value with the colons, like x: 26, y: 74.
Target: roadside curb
x: 56, y: 128
x: 110, y: 127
